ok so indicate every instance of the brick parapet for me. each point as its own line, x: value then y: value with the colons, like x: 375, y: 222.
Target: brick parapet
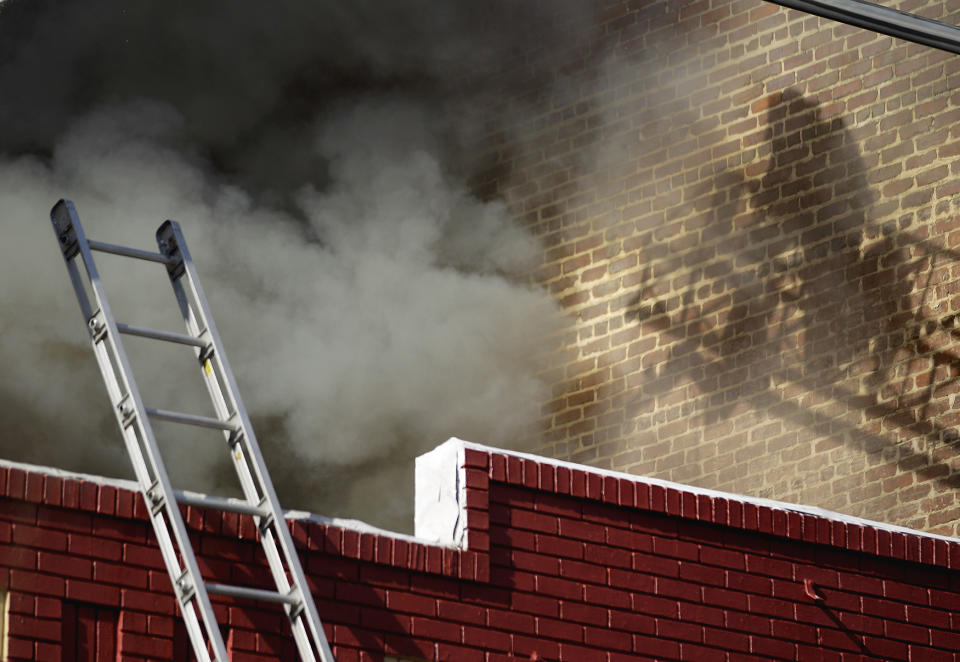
x: 579, y: 564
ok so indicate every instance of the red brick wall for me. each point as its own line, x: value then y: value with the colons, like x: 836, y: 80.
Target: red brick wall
x: 750, y: 216
x: 563, y: 562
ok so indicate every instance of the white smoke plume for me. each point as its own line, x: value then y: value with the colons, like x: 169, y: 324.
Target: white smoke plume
x: 370, y: 305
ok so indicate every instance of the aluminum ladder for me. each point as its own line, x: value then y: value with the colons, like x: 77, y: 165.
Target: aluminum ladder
x: 192, y: 592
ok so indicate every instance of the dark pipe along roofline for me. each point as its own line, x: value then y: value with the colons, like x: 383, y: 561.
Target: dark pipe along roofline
x: 884, y: 20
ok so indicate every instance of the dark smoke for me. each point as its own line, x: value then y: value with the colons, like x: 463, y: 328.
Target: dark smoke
x: 316, y: 154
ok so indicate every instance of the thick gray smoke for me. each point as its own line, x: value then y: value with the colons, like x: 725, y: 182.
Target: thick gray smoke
x: 370, y: 304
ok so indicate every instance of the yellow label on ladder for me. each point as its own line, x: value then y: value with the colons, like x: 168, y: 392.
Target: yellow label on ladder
x: 208, y: 367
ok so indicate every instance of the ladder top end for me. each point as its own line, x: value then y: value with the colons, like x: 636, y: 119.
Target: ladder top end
x: 66, y: 225
x: 63, y: 212
x: 167, y: 228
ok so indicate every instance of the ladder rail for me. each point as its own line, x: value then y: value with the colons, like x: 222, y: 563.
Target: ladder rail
x: 249, y: 464
x: 162, y: 500
x: 143, y: 472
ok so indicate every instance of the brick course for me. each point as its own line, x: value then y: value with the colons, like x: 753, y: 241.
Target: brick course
x: 573, y: 564
x: 750, y: 218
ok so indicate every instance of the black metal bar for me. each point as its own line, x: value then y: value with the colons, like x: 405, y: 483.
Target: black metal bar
x: 884, y: 20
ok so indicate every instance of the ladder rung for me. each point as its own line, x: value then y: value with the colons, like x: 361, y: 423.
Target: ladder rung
x: 252, y: 593
x: 129, y: 252
x: 220, y: 503
x: 191, y: 419
x: 144, y: 332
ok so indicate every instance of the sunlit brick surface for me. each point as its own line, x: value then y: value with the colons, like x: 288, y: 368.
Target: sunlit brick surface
x: 750, y: 218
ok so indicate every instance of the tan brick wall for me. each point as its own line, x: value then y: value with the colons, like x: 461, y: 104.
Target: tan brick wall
x: 750, y: 216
